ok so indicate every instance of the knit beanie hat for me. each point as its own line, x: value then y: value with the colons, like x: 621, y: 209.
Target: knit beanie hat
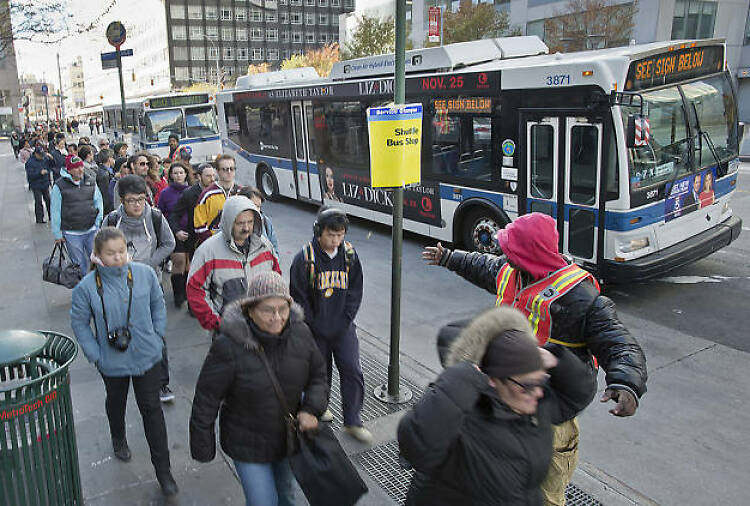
x: 509, y: 353
x: 264, y: 285
x: 73, y: 162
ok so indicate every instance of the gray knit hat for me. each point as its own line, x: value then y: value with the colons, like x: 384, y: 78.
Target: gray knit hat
x: 264, y: 285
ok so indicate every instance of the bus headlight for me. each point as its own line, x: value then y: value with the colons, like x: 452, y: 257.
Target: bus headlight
x: 632, y: 245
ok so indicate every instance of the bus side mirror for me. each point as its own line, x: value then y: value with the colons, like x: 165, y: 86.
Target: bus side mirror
x: 638, y: 131
x: 741, y: 131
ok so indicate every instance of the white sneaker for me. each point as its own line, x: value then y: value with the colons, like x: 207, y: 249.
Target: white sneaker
x: 359, y: 433
x: 327, y: 416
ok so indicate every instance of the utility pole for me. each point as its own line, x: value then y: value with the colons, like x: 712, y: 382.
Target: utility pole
x: 122, y: 92
x: 60, y: 92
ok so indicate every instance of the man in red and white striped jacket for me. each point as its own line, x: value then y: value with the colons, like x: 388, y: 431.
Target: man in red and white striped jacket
x: 224, y: 263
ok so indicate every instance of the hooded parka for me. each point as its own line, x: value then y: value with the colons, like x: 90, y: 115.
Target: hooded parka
x: 466, y: 445
x: 234, y: 383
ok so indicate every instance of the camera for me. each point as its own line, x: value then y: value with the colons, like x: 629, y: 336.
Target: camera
x: 119, y: 338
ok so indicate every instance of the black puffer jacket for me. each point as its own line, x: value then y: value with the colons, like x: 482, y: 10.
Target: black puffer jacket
x: 470, y: 449
x: 580, y: 316
x: 233, y: 378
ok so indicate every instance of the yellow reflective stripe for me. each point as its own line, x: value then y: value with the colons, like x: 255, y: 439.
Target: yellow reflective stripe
x: 503, y: 285
x: 566, y: 344
x: 562, y: 280
x: 576, y: 277
x: 534, y: 316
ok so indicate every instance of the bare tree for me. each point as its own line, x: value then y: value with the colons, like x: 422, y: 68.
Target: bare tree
x: 44, y: 21
x: 590, y: 24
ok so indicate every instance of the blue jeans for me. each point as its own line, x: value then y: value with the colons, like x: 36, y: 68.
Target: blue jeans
x: 80, y: 248
x: 266, y: 484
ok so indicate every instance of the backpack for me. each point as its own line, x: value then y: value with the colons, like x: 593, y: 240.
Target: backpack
x: 111, y: 221
x: 309, y: 253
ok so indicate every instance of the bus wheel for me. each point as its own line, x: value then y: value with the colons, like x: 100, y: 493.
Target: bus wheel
x: 480, y: 229
x: 267, y: 183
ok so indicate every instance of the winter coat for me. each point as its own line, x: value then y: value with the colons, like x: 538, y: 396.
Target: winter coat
x: 234, y: 383
x: 220, y: 270
x: 269, y: 234
x: 469, y: 448
x: 581, y: 316
x: 64, y: 211
x: 144, y: 244
x: 148, y: 319
x: 59, y: 158
x: 183, y: 211
x: 207, y: 212
x: 104, y: 176
x: 34, y: 168
x: 25, y: 154
x: 168, y: 200
x: 330, y: 308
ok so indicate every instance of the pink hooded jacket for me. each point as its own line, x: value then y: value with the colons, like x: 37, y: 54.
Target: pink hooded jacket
x: 530, y: 243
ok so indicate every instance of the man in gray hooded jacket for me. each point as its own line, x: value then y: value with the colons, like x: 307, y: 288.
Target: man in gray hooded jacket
x: 149, y: 239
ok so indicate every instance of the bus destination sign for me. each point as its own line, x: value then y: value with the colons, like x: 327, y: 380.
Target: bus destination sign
x: 463, y: 105
x: 177, y: 101
x: 679, y: 65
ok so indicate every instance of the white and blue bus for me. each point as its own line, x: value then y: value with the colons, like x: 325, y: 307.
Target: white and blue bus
x: 634, y: 150
x: 151, y: 120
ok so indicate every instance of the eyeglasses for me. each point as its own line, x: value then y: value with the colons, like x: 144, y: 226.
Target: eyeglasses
x: 132, y: 202
x: 269, y: 312
x: 227, y: 169
x: 528, y: 388
x: 142, y: 164
x: 104, y: 143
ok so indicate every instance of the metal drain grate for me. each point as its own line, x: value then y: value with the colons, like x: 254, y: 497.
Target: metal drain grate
x: 375, y: 374
x: 381, y: 463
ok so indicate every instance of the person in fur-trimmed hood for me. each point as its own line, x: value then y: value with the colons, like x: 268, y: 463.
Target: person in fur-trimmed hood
x: 482, y: 432
x: 235, y: 384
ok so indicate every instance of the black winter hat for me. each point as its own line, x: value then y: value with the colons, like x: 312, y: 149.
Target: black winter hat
x: 509, y: 353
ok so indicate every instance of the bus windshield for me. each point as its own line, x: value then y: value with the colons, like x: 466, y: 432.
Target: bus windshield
x: 201, y: 121
x: 160, y: 124
x: 707, y: 113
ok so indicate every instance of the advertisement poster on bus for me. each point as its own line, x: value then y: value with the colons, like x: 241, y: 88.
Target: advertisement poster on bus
x: 689, y: 194
x: 421, y: 202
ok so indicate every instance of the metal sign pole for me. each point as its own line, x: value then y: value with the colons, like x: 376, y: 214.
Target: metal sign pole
x: 122, y: 92
x: 60, y: 93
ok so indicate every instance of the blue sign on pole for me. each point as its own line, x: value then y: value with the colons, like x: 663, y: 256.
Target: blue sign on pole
x: 45, y: 89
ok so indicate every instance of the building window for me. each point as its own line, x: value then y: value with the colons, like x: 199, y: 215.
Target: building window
x: 348, y: 4
x: 272, y: 34
x: 284, y: 35
x: 179, y: 33
x: 228, y: 53
x: 296, y: 18
x: 323, y: 37
x: 212, y: 31
x: 310, y: 3
x: 335, y: 37
x: 257, y: 34
x: 213, y: 53
x: 227, y: 34
x: 240, y: 14
x: 323, y: 19
x: 226, y: 14
x: 242, y: 53
x: 257, y: 53
x: 181, y: 74
x: 242, y: 34
x: 286, y: 54
x: 180, y: 53
x: 747, y: 30
x: 273, y: 54
x: 693, y: 19
x: 297, y: 37
x: 197, y: 53
x: 177, y: 11
x: 310, y: 19
x: 211, y: 12
x: 195, y: 12
x: 335, y: 3
x: 322, y: 3
x: 334, y: 20
x: 270, y: 17
x: 256, y: 15
x: 535, y: 28
x: 310, y: 37
x: 228, y: 70
x: 196, y: 33
x: 295, y: 3
x: 284, y: 16
x: 283, y: 2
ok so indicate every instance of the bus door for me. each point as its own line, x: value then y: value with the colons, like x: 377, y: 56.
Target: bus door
x: 300, y: 159
x: 563, y: 167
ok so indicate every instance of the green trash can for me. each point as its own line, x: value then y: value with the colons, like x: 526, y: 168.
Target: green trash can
x: 38, y: 453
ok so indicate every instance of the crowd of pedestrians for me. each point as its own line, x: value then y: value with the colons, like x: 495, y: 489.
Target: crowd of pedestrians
x: 498, y: 426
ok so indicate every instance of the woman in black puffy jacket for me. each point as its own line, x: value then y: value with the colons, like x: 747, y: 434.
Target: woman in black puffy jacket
x: 235, y: 384
x: 481, y: 434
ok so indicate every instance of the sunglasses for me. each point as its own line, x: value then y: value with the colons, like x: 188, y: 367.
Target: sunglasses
x: 142, y: 164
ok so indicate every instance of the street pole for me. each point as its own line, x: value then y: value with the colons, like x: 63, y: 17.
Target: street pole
x: 46, y: 106
x: 122, y: 92
x: 60, y: 92
x: 396, y: 394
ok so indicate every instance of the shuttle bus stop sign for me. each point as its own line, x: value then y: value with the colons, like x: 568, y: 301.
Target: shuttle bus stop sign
x: 116, y: 33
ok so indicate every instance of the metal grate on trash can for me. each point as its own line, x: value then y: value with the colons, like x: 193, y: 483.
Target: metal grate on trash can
x: 38, y: 453
x: 375, y: 374
x: 382, y: 464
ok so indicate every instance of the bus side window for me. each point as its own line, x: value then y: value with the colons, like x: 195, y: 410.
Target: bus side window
x: 542, y: 161
x: 461, y: 146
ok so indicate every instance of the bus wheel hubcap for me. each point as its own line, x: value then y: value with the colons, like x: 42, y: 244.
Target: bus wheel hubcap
x: 267, y: 183
x: 485, y: 232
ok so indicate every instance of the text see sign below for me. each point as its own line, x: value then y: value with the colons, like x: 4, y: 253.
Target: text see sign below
x: 395, y: 144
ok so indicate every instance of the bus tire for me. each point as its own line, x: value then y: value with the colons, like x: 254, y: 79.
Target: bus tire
x: 479, y: 230
x: 266, y: 181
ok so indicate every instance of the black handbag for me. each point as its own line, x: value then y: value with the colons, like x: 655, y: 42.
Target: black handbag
x: 324, y: 472
x: 59, y: 269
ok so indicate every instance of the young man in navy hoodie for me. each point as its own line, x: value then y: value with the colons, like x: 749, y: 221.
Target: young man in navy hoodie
x: 326, y: 280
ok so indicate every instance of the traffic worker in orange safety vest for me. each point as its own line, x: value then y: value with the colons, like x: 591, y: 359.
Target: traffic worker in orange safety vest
x: 564, y: 306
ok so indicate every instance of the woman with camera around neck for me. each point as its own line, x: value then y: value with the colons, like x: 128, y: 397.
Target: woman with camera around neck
x: 125, y: 301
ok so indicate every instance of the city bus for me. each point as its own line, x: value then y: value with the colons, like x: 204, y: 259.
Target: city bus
x: 633, y: 150
x: 151, y: 120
